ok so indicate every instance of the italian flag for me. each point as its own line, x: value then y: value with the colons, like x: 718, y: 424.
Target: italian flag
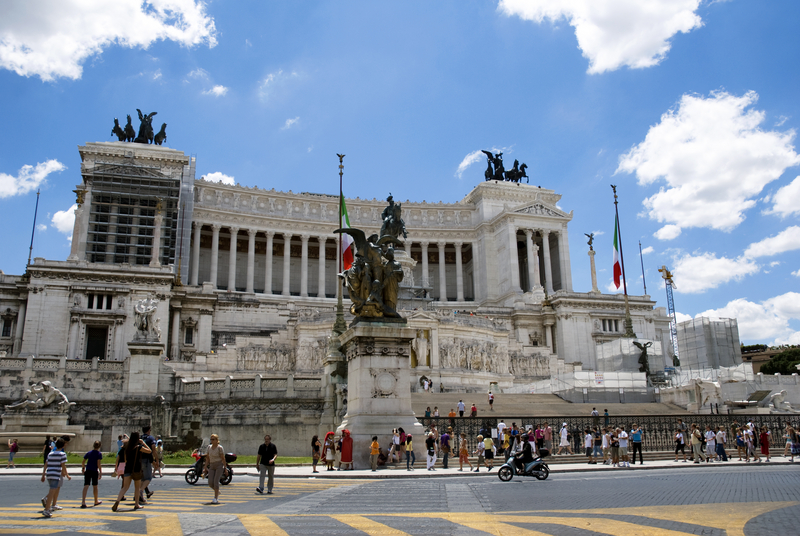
x: 617, y: 265
x: 347, y: 240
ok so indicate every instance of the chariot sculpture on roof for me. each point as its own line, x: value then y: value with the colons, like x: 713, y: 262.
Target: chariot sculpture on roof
x: 146, y: 133
x: 515, y: 174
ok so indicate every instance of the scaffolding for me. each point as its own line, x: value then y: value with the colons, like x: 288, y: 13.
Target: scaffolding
x: 122, y: 214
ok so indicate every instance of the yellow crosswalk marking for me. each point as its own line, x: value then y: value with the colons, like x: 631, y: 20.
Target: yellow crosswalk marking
x: 488, y: 523
x: 55, y: 519
x: 732, y: 517
x: 164, y: 524
x: 32, y: 531
x: 367, y: 525
x: 63, y: 514
x: 260, y: 525
x: 596, y: 524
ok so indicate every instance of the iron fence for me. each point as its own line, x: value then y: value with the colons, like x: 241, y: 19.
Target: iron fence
x: 659, y: 430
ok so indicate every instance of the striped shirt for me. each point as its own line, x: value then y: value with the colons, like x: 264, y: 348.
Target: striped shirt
x: 54, y: 461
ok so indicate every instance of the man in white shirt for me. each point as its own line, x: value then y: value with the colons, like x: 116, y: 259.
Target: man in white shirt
x: 500, y: 427
x: 461, y: 408
x: 711, y: 444
x: 623, y: 448
x: 721, y: 440
x: 588, y: 444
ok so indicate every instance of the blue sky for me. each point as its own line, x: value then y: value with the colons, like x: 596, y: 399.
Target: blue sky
x: 689, y: 106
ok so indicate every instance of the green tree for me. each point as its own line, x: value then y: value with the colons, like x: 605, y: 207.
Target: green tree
x: 784, y: 363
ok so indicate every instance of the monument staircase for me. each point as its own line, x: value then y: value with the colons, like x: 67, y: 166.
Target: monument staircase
x: 531, y: 405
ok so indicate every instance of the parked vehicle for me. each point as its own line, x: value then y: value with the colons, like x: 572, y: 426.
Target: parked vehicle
x: 195, y: 473
x: 537, y: 468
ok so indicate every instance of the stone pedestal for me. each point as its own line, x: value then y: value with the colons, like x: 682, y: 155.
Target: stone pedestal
x: 594, y: 272
x: 31, y: 427
x: 378, y: 386
x: 145, y: 362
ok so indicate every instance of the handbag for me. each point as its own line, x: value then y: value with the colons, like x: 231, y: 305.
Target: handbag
x: 121, y: 469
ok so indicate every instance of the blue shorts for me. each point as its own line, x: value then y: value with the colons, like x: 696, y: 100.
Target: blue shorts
x: 11, y: 456
x: 598, y: 450
x: 147, y: 470
x: 55, y: 483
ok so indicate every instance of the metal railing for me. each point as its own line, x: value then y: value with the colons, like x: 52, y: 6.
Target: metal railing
x: 659, y: 430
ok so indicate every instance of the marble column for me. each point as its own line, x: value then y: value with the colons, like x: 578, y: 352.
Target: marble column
x: 251, y: 260
x: 459, y: 273
x: 304, y: 265
x: 174, y: 350
x: 548, y: 334
x: 214, y: 253
x: 424, y: 246
x: 442, y: 274
x: 321, y: 272
x: 268, y: 264
x: 531, y: 260
x: 232, y: 259
x: 594, y: 272
x: 195, y: 274
x: 566, y: 267
x: 74, y: 336
x: 287, y: 259
x: 548, y: 270
x: 537, y: 276
x: 20, y: 326
x: 514, y: 259
x: 155, y: 249
x: 80, y: 231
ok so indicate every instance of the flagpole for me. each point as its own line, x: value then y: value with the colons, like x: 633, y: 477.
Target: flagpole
x: 641, y: 259
x: 339, y: 326
x: 628, y: 321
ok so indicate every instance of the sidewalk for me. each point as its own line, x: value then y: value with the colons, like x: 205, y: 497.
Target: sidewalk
x: 420, y: 471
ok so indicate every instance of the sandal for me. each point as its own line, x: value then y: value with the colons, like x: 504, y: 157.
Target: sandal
x: 98, y: 503
x: 114, y: 508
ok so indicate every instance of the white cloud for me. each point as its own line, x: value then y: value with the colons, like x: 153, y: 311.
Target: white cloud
x: 219, y: 177
x: 53, y: 41
x: 680, y: 317
x: 786, y: 201
x: 668, y: 232
x: 786, y: 240
x: 765, y: 320
x: 41, y: 227
x: 289, y: 123
x: 698, y: 273
x: 781, y: 120
x: 615, y: 33
x: 796, y: 273
x: 612, y: 288
x: 198, y: 73
x: 468, y: 160
x: 217, y: 91
x: 648, y: 249
x: 28, y: 178
x: 714, y: 158
x: 599, y: 233
x: 64, y: 221
x: 273, y: 80
x: 157, y: 74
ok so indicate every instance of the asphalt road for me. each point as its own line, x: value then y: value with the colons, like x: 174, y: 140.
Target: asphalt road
x: 715, y: 500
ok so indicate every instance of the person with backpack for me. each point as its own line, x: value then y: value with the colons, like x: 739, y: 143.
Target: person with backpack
x: 131, y: 459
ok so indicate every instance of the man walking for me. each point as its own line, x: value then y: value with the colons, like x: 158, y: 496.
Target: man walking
x: 622, y: 435
x: 595, y: 417
x: 461, y: 408
x: 147, y: 462
x: 265, y: 464
x: 444, y: 443
x: 637, y: 434
x: 697, y: 442
x: 491, y: 401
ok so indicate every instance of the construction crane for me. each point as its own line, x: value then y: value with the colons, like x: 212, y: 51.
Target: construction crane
x: 666, y: 275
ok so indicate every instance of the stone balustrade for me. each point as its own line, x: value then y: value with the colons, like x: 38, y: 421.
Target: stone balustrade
x: 56, y: 364
x: 256, y: 386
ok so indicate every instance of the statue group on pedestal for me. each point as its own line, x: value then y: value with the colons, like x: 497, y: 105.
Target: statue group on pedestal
x: 146, y: 133
x: 374, y: 278
x: 515, y: 174
x: 146, y: 328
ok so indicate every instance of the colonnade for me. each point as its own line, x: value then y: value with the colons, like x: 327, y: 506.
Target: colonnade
x: 440, y: 292
x: 251, y: 257
x: 562, y: 264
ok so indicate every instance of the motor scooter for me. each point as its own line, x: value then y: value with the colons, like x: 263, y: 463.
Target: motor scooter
x: 196, y: 471
x: 536, y: 468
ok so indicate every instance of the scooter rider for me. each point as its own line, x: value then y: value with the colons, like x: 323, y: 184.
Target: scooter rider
x: 521, y: 459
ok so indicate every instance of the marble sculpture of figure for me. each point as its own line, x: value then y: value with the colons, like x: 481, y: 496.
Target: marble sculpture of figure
x: 41, y: 395
x: 146, y: 328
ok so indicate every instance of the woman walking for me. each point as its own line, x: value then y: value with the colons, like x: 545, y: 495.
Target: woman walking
x: 130, y: 457
x: 740, y: 446
x: 215, y: 465
x: 680, y: 444
x: 315, y: 453
x: 463, y: 453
